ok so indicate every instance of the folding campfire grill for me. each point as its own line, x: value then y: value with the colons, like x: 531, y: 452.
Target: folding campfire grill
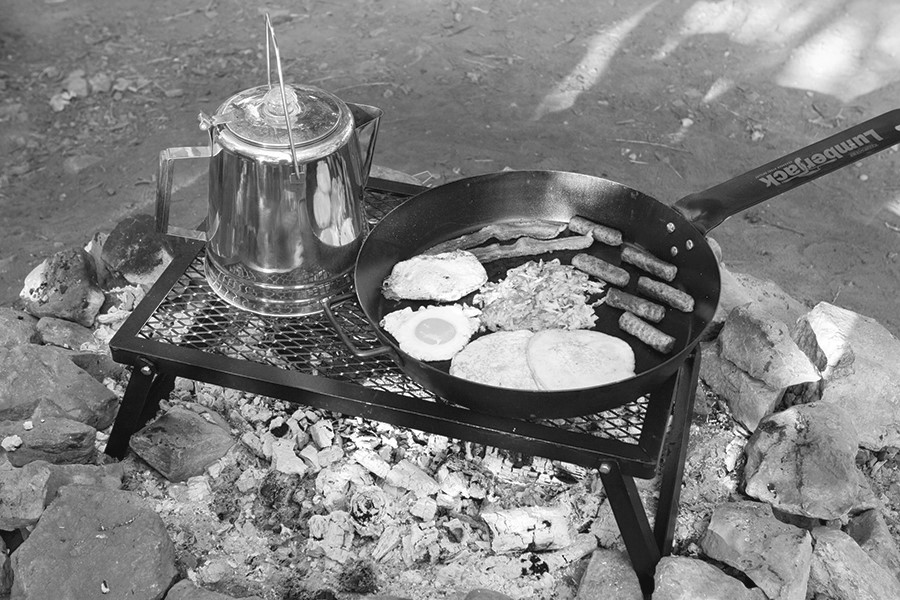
x: 183, y: 329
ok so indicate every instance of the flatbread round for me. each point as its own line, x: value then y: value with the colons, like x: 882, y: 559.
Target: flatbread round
x: 562, y: 359
x: 497, y: 359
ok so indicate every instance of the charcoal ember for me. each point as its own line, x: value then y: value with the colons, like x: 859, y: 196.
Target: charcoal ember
x: 359, y: 576
x: 387, y: 542
x: 367, y: 509
x: 528, y: 528
x: 225, y: 503
x: 276, y: 497
x: 331, y: 536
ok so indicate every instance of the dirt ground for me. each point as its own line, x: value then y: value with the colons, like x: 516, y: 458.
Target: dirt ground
x: 668, y: 97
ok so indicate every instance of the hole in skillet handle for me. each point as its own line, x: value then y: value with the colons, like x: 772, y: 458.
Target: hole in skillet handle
x: 328, y: 305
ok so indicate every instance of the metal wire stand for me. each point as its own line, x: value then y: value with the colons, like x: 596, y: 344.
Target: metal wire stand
x: 183, y: 329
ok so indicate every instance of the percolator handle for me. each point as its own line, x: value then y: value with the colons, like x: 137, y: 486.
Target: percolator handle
x: 166, y: 170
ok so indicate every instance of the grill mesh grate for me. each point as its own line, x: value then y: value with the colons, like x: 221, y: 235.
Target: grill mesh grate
x: 193, y: 316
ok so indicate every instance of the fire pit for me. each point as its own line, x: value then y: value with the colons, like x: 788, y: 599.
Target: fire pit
x: 184, y: 329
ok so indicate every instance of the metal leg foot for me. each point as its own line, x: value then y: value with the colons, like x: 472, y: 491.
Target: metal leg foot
x: 631, y: 518
x: 139, y: 404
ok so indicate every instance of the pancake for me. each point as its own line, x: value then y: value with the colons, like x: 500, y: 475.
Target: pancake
x: 561, y: 359
x: 497, y: 359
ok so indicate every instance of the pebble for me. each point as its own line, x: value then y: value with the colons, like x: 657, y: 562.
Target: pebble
x: 11, y: 443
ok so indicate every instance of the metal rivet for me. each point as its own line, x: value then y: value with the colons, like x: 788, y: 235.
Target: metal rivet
x: 605, y: 468
x: 146, y: 370
x: 689, y: 244
x: 674, y: 251
x: 670, y: 227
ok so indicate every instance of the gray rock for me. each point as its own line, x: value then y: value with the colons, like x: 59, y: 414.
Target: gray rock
x: 24, y: 493
x: 739, y: 289
x: 17, y: 327
x: 91, y: 542
x: 54, y: 440
x: 683, y: 578
x: 64, y: 286
x: 870, y: 531
x: 841, y: 570
x: 749, y: 399
x: 774, y: 555
x: 98, y: 366
x: 803, y: 461
x: 30, y: 374
x: 762, y: 346
x: 182, y: 443
x: 136, y: 250
x: 47, y: 409
x: 65, y: 334
x: 860, y: 362
x: 106, y: 276
x: 100, y: 476
x: 187, y: 590
x: 609, y: 574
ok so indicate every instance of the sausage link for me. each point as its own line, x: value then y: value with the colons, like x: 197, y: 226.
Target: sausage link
x: 649, y: 263
x: 601, y: 269
x: 635, y: 304
x: 647, y: 333
x: 601, y: 233
x: 666, y: 293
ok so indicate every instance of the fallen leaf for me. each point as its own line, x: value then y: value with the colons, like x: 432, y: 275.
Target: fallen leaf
x: 122, y: 84
x: 76, y: 84
x: 100, y: 82
x: 60, y: 101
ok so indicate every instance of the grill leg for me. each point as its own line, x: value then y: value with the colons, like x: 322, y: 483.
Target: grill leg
x: 145, y: 389
x: 645, y: 546
x: 673, y: 467
x: 631, y: 518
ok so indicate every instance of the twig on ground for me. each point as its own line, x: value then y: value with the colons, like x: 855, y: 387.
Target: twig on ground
x: 658, y: 145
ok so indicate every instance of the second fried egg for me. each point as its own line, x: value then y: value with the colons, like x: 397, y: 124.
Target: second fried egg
x: 445, y: 277
x: 433, y: 333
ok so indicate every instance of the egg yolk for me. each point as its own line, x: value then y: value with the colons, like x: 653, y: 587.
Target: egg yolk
x: 435, y: 331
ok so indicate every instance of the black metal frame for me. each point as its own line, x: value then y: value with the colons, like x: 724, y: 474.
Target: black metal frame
x: 654, y: 438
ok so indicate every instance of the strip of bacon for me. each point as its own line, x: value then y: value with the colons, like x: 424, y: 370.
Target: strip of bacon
x: 533, y: 228
x: 528, y: 246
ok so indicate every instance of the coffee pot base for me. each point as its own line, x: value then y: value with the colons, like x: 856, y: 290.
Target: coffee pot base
x: 272, y: 299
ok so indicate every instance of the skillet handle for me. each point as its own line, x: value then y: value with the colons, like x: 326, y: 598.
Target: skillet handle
x: 328, y: 305
x: 709, y: 208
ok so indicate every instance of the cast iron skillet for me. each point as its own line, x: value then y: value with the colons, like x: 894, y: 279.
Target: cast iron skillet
x: 675, y: 233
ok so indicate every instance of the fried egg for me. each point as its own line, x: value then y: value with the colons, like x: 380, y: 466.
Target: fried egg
x: 444, y: 277
x: 433, y: 333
